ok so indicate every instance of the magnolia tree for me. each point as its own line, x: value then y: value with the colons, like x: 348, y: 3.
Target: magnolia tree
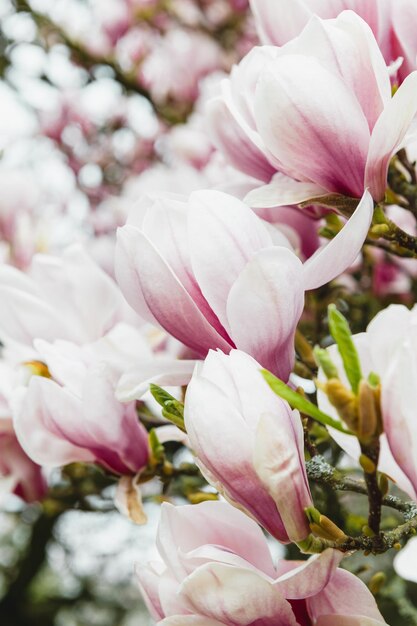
x: 243, y: 350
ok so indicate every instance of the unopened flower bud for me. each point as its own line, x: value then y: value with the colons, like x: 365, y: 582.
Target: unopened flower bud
x: 383, y: 484
x: 368, y: 412
x: 344, y: 401
x: 377, y: 582
x: 331, y: 529
x: 367, y: 464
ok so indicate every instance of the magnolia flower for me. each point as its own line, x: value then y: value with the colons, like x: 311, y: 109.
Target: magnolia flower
x: 67, y: 297
x: 216, y: 570
x: 249, y: 443
x: 315, y: 116
x: 57, y: 425
x: 213, y: 275
x: 389, y: 349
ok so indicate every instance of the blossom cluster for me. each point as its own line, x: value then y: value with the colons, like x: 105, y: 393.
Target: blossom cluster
x: 292, y: 186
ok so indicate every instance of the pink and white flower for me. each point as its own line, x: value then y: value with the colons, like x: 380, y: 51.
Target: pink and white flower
x: 214, y: 275
x: 315, y: 116
x: 216, y: 570
x: 249, y: 443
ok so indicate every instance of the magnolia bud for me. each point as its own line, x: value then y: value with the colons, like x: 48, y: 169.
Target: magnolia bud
x: 367, y: 412
x: 344, y: 401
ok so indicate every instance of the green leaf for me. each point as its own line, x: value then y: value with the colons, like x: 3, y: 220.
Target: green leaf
x: 172, y: 409
x: 341, y: 333
x: 373, y: 379
x: 297, y: 401
x: 324, y: 360
x: 157, y: 449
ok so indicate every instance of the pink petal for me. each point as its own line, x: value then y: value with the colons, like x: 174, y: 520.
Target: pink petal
x: 229, y: 458
x: 148, y: 578
x: 310, y: 577
x: 236, y: 596
x: 393, y: 324
x: 88, y: 296
x: 335, y: 257
x: 187, y: 528
x: 161, y: 371
x: 233, y: 142
x: 388, y: 135
x: 346, y: 594
x: 222, y: 227
x: 311, y: 122
x: 162, y: 293
x: 171, y: 242
x: 24, y: 316
x: 399, y: 395
x: 331, y: 42
x: 278, y: 21
x: 279, y: 463
x: 264, y: 307
x: 189, y: 620
x: 283, y: 191
x: 128, y: 241
x: 110, y: 429
x: 38, y: 419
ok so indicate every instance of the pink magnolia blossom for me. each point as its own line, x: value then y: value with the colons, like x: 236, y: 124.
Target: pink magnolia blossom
x: 315, y: 116
x: 216, y: 570
x: 249, y: 443
x: 67, y: 297
x: 388, y: 348
x: 214, y: 275
x: 56, y: 425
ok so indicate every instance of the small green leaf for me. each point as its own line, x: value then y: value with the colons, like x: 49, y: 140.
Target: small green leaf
x: 325, y: 362
x: 296, y: 401
x: 172, y: 409
x: 340, y: 331
x: 157, y: 449
x: 373, y: 379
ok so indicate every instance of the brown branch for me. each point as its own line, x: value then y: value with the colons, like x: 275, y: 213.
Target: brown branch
x: 371, y: 451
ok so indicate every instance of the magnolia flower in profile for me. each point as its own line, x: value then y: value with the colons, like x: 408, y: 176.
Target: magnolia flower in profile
x: 58, y: 424
x: 249, y: 443
x: 315, y: 116
x: 388, y: 348
x: 216, y: 570
x: 214, y: 275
